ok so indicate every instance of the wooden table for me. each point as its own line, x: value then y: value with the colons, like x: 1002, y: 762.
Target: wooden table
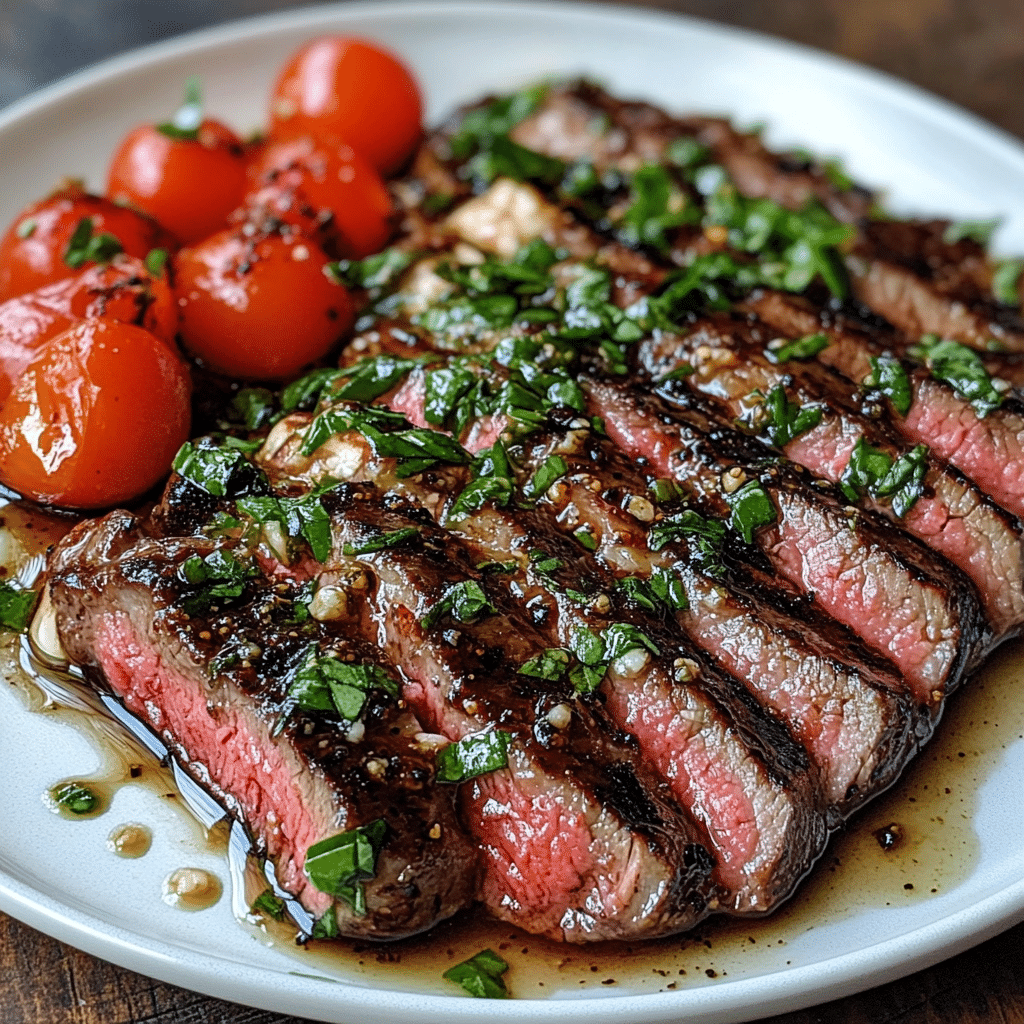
x: 970, y: 51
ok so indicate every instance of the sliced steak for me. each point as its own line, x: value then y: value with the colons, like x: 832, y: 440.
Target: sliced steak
x: 732, y: 365
x: 898, y: 596
x: 214, y: 685
x: 728, y: 762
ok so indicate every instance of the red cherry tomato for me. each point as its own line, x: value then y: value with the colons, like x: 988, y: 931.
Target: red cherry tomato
x: 42, y: 246
x: 123, y: 290
x: 261, y: 306
x: 352, y: 90
x: 96, y: 418
x: 189, y: 185
x: 327, y: 191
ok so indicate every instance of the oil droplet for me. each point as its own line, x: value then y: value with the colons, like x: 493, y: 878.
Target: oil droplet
x: 130, y: 840
x: 191, y: 889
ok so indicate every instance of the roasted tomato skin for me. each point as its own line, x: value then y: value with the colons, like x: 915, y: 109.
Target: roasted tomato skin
x: 189, y: 186
x: 96, y: 418
x: 259, y: 306
x: 123, y: 290
x: 352, y: 90
x: 33, y: 251
x: 325, y: 190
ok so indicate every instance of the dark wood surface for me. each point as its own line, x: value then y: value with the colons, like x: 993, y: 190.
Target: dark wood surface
x: 970, y: 51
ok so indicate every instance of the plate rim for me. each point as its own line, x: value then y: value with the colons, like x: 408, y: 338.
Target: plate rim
x: 727, y: 1001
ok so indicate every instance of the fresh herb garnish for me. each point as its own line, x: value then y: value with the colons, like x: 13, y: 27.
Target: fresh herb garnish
x: 874, y: 472
x: 706, y: 537
x: 783, y: 420
x: 75, y: 797
x: 303, y: 517
x: 221, y: 468
x: 375, y: 273
x: 589, y: 650
x: 889, y: 377
x: 1006, y: 281
x: 962, y: 368
x: 326, y: 926
x: 473, y: 755
x: 663, y: 590
x: 390, y: 539
x: 217, y: 579
x: 481, y: 975
x: 269, y: 904
x: 585, y: 537
x: 751, y: 508
x: 657, y: 207
x: 188, y: 118
x: 253, y: 407
x: 308, y: 390
x: 463, y: 602
x: 156, y: 261
x: 341, y: 864
x: 84, y: 247
x: 325, y: 683
x: 16, y: 607
x: 370, y: 378
x: 492, y: 480
x: 781, y: 350
x: 552, y: 469
x: 551, y: 664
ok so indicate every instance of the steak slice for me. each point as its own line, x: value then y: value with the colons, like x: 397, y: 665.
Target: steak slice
x: 732, y: 366
x: 727, y: 761
x: 214, y: 683
x: 898, y: 596
x: 989, y: 449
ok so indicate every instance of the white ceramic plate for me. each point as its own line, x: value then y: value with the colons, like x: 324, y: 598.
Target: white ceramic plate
x: 58, y: 876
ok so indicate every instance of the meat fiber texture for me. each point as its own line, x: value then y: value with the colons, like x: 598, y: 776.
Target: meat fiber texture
x: 641, y: 460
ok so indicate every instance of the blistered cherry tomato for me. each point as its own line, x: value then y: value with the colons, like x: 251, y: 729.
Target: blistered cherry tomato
x: 259, y: 306
x: 354, y: 91
x: 327, y: 191
x: 51, y: 240
x: 189, y: 185
x: 124, y: 289
x: 96, y: 417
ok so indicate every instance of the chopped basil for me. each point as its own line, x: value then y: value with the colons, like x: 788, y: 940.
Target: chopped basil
x: 156, y: 260
x: 16, y: 607
x: 445, y: 388
x: 979, y: 231
x: 217, y: 579
x: 584, y: 535
x: 325, y: 683
x: 473, y: 755
x: 307, y: 391
x: 553, y: 468
x: 390, y: 436
x: 500, y: 157
x: 874, y: 472
x: 498, y: 567
x: 962, y: 368
x: 220, y: 469
x: 75, y: 797
x: 269, y: 904
x: 370, y: 378
x: 663, y: 590
x: 492, y: 480
x: 26, y: 228
x: 463, y: 602
x: 889, y: 377
x: 326, y: 926
x: 496, y: 118
x: 781, y: 351
x: 84, y: 247
x: 374, y: 273
x: 543, y: 563
x: 785, y: 419
x: 1006, y: 281
x: 836, y: 176
x: 657, y: 207
x: 386, y: 540
x: 551, y: 665
x: 666, y: 490
x: 621, y: 637
x: 253, y: 407
x: 303, y: 517
x: 683, y: 152
x: 751, y: 508
x: 481, y: 975
x: 188, y: 118
x: 341, y: 864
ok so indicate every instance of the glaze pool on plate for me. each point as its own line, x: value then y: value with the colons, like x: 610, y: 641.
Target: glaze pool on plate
x: 928, y: 156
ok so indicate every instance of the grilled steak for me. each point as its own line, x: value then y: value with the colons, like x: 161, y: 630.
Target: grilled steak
x: 651, y: 522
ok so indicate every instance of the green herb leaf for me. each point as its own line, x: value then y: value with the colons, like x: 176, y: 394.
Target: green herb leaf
x: 218, y: 579
x: 553, y: 468
x: 705, y: 537
x: 751, y: 508
x: 473, y: 755
x: 584, y: 535
x: 84, y: 247
x: 303, y: 517
x: 785, y: 419
x: 307, y: 391
x: 588, y: 647
x: 386, y: 540
x: 75, y: 797
x: 979, y: 231
x: 492, y: 480
x: 221, y: 469
x: 1006, y: 281
x: 781, y: 351
x: 370, y: 378
x: 890, y: 378
x: 269, y: 904
x: 156, y: 260
x: 463, y: 602
x: 686, y: 153
x: 960, y: 367
x: 481, y: 975
x: 341, y: 864
x: 375, y: 273
x: 188, y: 118
x: 662, y: 591
x: 16, y: 607
x: 551, y: 665
x: 253, y: 407
x: 324, y: 683
x: 621, y: 637
x: 326, y: 926
x: 657, y: 207
x: 873, y: 471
